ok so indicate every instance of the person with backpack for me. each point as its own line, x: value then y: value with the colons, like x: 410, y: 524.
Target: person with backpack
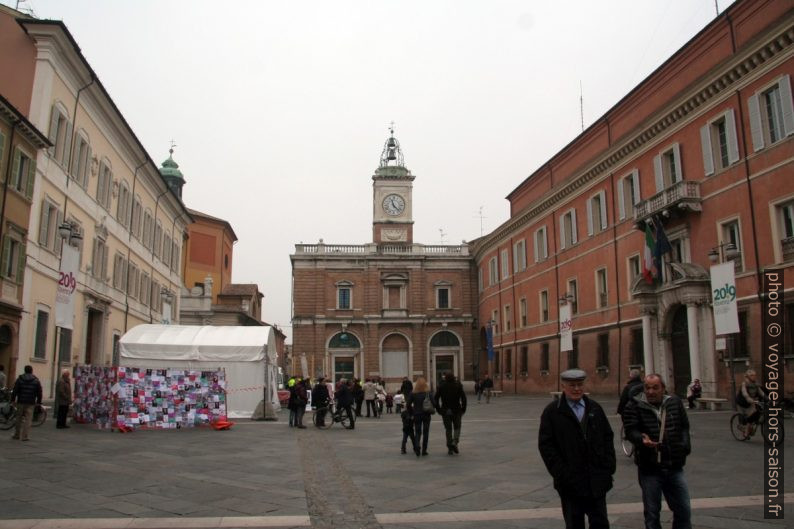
x: 27, y: 395
x: 421, y: 407
x: 451, y: 402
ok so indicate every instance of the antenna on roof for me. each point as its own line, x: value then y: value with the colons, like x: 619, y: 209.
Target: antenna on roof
x: 581, y: 105
x: 481, y: 216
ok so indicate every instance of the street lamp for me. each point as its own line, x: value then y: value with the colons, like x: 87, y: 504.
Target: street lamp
x: 70, y: 234
x: 724, y: 252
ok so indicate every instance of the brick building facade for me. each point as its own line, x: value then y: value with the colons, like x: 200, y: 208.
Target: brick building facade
x: 390, y: 308
x: 704, y: 145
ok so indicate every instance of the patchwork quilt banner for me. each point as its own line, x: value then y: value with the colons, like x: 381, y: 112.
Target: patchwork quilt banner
x: 93, y: 396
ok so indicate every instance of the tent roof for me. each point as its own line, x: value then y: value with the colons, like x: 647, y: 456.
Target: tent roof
x: 198, y: 343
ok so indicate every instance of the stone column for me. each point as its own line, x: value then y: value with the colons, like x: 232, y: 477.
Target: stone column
x: 647, y: 343
x: 694, y: 340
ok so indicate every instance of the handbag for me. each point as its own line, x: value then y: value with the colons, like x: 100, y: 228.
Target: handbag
x: 427, y: 404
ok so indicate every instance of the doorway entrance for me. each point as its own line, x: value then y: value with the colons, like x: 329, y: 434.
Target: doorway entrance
x: 679, y: 342
x: 444, y: 364
x: 93, y: 342
x: 344, y: 367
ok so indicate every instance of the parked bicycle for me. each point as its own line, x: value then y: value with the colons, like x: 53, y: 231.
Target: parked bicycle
x: 9, y: 410
x: 326, y: 416
x: 744, y: 431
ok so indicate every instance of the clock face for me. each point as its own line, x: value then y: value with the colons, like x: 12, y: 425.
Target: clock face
x: 393, y: 204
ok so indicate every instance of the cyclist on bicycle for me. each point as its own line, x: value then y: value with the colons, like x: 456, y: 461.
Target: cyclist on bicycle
x: 748, y: 399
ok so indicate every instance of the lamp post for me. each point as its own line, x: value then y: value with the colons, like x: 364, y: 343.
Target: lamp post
x: 724, y: 252
x: 70, y: 234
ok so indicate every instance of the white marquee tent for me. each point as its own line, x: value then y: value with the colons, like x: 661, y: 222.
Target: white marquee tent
x: 246, y: 354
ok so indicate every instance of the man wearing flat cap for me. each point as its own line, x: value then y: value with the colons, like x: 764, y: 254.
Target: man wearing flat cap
x: 576, y: 444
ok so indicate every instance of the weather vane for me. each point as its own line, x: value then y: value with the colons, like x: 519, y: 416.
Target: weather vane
x: 173, y: 144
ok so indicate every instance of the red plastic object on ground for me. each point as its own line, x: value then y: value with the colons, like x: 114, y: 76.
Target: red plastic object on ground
x: 222, y: 425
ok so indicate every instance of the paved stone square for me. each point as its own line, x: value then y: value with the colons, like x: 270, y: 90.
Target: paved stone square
x: 264, y: 474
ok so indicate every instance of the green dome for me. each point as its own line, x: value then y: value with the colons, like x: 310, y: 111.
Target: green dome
x: 170, y: 168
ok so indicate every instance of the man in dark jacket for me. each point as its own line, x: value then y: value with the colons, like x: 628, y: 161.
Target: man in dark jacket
x: 406, y: 387
x: 320, y: 400
x: 345, y: 400
x: 27, y: 395
x: 576, y: 444
x: 451, y: 405
x: 487, y: 387
x: 63, y: 399
x: 658, y: 427
x: 632, y: 387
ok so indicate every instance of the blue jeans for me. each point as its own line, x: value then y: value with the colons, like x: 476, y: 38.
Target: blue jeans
x: 672, y: 485
x: 421, y: 426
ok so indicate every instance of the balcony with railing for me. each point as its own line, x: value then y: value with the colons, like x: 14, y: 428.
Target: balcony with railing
x: 345, y: 250
x: 677, y: 200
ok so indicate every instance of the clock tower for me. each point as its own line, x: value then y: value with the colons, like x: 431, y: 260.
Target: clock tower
x: 392, y: 183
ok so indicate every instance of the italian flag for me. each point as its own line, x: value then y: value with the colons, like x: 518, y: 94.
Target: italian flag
x: 647, y: 258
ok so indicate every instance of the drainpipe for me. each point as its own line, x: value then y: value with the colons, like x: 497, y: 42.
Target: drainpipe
x: 515, y: 327
x: 151, y: 267
x: 615, y: 253
x: 129, y: 250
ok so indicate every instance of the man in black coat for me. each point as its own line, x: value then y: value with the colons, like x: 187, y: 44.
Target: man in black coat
x: 320, y: 401
x: 451, y: 405
x: 658, y: 427
x: 345, y: 400
x: 632, y: 387
x: 576, y: 444
x: 27, y: 394
x: 406, y: 387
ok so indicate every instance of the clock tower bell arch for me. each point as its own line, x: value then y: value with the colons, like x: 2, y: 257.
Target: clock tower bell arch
x: 392, y: 204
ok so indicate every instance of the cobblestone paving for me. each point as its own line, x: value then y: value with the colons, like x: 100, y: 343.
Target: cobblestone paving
x: 338, y: 478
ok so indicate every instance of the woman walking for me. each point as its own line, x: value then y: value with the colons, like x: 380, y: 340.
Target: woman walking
x: 421, y: 407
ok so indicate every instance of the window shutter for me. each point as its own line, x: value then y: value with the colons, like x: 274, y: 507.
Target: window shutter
x: 545, y: 244
x: 2, y: 158
x: 58, y: 243
x: 603, y: 210
x: 15, y: 168
x: 86, y: 166
x: 621, y: 199
x: 657, y: 172
x: 705, y: 144
x: 31, y: 178
x: 677, y: 160
x: 574, y: 238
x: 590, y: 216
x: 788, y: 107
x: 95, y: 259
x: 44, y: 223
x: 535, y: 239
x: 730, y: 130
x: 21, y: 258
x: 562, y: 232
x: 67, y: 141
x: 53, y: 128
x: 6, y: 255
x: 635, y: 176
x: 756, y: 130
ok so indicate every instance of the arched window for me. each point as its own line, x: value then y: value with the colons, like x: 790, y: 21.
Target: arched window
x: 344, y: 340
x: 444, y: 339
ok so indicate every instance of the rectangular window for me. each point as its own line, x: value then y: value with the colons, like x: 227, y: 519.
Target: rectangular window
x: 148, y: 230
x: 40, y: 348
x: 175, y: 257
x: 771, y: 113
x: 135, y: 223
x: 541, y: 245
x: 497, y: 364
x: 603, y: 351
x: 628, y: 194
x: 343, y: 298
x: 573, y: 292
x: 60, y: 136
x: 167, y: 250
x: 82, y: 161
x: 568, y: 229
x: 493, y: 271
x: 99, y: 259
x: 479, y: 279
x: 522, y: 308
x: 495, y: 322
x: 13, y: 259
x: 442, y: 298
x: 519, y: 256
x: 133, y: 280
x: 634, y: 269
x: 505, y: 264
x: 667, y: 167
x: 146, y: 289
x: 730, y: 234
x: 573, y: 355
x: 119, y: 272
x: 544, y: 357
x: 544, y: 306
x: 104, y: 185
x: 774, y: 114
x: 524, y: 360
x: 719, y: 143
x: 157, y: 298
x: 64, y: 345
x: 738, y: 341
x: 508, y: 321
x: 123, y: 208
x: 597, y: 213
x: 786, y: 216
x: 601, y: 288
x: 509, y: 362
x: 51, y: 217
x: 158, y: 238
x: 23, y: 173
x: 637, y: 353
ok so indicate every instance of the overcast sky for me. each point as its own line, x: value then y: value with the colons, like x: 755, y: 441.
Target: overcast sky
x: 280, y: 109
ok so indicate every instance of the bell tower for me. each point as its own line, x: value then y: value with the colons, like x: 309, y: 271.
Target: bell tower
x: 392, y: 204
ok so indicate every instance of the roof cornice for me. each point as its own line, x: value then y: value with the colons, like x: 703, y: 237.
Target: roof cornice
x: 25, y: 127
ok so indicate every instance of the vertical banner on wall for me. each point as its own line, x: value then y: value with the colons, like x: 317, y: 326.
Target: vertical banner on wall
x: 566, y: 328
x: 723, y: 298
x: 489, y: 342
x: 67, y: 285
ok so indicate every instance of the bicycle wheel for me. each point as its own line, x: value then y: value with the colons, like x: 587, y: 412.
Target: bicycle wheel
x: 737, y: 424
x: 8, y: 421
x: 39, y: 416
x: 323, y: 419
x: 625, y: 444
x: 344, y: 418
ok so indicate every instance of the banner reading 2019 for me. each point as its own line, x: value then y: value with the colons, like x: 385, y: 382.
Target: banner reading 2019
x: 723, y: 299
x: 67, y: 285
